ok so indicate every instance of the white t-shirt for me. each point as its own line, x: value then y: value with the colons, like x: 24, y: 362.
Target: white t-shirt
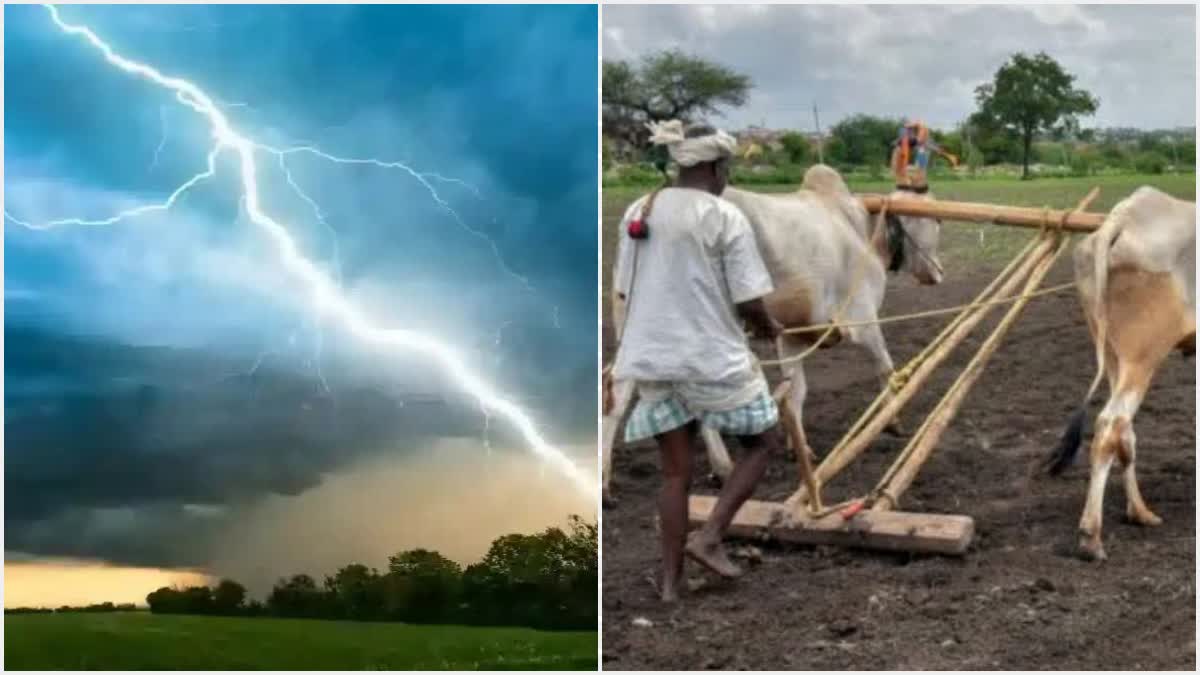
x: 681, y: 286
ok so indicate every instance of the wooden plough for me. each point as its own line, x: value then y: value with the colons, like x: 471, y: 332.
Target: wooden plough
x: 871, y: 521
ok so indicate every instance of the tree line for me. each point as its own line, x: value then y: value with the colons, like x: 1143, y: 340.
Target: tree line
x: 68, y: 609
x: 546, y: 580
x: 1030, y: 112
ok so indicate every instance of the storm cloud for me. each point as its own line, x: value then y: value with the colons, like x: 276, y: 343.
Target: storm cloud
x: 923, y: 60
x: 165, y: 377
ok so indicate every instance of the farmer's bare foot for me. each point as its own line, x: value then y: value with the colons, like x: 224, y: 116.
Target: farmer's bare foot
x: 668, y: 592
x: 711, y: 554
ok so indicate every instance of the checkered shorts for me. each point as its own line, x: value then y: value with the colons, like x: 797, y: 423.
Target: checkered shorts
x: 651, y: 418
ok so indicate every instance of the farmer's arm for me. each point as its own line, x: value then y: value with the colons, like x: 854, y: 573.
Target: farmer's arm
x: 754, y: 312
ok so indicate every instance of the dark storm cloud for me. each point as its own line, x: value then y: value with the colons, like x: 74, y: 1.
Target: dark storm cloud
x: 924, y: 60
x: 96, y: 429
x: 164, y: 374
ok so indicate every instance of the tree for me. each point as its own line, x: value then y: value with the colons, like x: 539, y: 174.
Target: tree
x: 357, y: 592
x: 862, y: 140
x: 1032, y: 94
x: 228, y: 597
x: 298, y: 597
x: 422, y: 585
x: 663, y: 86
x: 795, y: 147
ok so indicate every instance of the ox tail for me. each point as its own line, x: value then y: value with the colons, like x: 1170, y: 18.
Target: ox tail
x: 1068, y: 446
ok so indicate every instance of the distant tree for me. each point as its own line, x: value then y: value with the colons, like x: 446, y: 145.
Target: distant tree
x: 198, y: 600
x: 662, y: 86
x: 423, y: 585
x: 1032, y: 94
x: 795, y: 147
x: 298, y: 597
x: 862, y: 140
x: 357, y: 592
x: 228, y: 597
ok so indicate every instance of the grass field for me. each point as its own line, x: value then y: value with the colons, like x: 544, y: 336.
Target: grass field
x: 143, y: 641
x: 963, y: 245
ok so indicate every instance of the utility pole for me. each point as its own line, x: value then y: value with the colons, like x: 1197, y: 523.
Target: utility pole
x: 820, y: 136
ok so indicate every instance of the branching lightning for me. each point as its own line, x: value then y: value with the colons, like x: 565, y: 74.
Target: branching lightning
x: 326, y: 295
x: 162, y: 141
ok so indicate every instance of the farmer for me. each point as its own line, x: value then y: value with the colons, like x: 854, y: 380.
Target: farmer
x: 689, y: 272
x: 913, y: 146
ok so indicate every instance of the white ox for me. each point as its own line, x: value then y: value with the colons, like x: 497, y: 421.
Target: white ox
x: 1136, y: 277
x: 823, y: 251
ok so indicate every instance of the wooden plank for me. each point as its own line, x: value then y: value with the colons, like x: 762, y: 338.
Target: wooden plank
x: 883, y: 530
x: 1020, y: 216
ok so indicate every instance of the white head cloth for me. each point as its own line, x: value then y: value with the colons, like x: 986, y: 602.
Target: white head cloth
x: 691, y: 151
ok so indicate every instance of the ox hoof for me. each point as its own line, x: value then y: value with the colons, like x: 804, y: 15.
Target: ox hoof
x: 1090, y: 548
x: 715, y: 480
x: 1144, y: 517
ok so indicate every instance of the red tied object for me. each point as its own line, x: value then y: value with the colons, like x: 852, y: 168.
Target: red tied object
x: 638, y: 229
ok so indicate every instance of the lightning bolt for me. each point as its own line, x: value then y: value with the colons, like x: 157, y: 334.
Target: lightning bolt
x: 162, y: 142
x: 325, y: 294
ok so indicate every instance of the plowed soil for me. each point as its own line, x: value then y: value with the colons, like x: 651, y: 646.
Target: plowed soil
x: 1019, y: 599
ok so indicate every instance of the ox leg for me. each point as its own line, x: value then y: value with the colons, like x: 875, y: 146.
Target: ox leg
x: 799, y: 391
x: 1115, y: 440
x: 718, y: 455
x: 622, y: 394
x: 870, y: 337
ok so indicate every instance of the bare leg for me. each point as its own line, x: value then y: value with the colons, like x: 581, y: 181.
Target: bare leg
x: 704, y: 545
x: 675, y: 449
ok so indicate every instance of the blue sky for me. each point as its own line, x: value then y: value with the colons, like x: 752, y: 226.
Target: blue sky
x: 132, y: 348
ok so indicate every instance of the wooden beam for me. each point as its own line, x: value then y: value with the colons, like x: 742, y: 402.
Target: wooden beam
x: 1020, y: 216
x: 882, y: 530
x: 901, y: 476
x: 844, y: 454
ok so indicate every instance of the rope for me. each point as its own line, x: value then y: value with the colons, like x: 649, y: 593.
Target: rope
x: 882, y: 489
x: 833, y: 325
x: 900, y: 378
x: 934, y: 312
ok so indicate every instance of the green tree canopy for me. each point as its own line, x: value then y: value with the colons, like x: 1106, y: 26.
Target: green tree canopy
x: 662, y: 86
x: 862, y: 140
x: 228, y: 596
x: 1030, y: 94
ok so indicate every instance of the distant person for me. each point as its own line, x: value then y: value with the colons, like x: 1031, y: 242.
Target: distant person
x: 689, y: 270
x: 910, y: 156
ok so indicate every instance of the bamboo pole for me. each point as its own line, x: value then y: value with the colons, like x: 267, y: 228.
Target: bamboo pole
x: 921, y: 446
x: 799, y: 445
x: 1020, y: 216
x: 844, y: 455
x: 903, y: 471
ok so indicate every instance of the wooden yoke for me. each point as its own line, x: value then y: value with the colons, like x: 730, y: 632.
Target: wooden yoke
x: 1018, y: 216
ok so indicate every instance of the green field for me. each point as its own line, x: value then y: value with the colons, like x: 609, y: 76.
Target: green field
x: 144, y: 641
x: 964, y: 245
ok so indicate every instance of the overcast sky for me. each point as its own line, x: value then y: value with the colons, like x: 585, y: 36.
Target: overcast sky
x: 923, y: 61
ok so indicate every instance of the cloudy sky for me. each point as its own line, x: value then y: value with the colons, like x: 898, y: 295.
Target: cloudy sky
x: 923, y: 61
x: 172, y: 402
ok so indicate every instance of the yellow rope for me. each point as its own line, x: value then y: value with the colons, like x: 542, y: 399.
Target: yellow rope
x: 931, y: 312
x: 882, y: 487
x: 900, y: 378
